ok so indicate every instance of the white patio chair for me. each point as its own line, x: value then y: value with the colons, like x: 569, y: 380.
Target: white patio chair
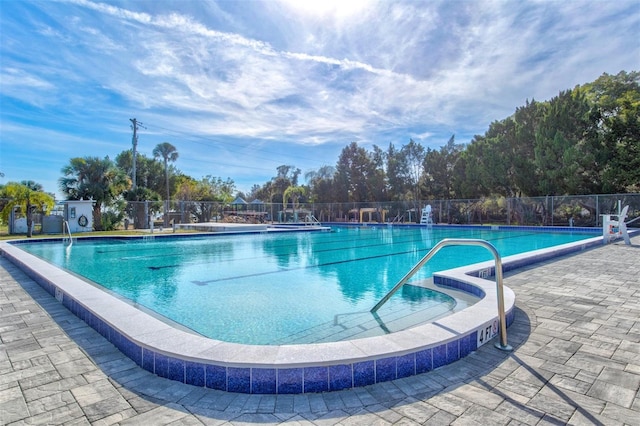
x: 618, y: 228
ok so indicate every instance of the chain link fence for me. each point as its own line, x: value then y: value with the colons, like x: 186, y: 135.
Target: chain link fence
x: 574, y: 210
x: 578, y: 210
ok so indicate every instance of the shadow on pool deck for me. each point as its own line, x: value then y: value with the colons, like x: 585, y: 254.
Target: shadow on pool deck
x: 576, y: 359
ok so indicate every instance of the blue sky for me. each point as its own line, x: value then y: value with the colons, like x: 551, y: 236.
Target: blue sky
x: 241, y: 87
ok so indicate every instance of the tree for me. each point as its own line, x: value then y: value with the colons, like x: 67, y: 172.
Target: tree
x: 290, y: 173
x: 167, y: 152
x: 293, y: 193
x: 492, y: 156
x: 141, y: 204
x: 93, y: 178
x: 377, y: 178
x: 359, y: 175
x: 287, y: 176
x: 616, y: 111
x: 439, y: 169
x: 397, y: 172
x: 564, y: 162
x: 205, y: 195
x: 414, y: 154
x: 321, y: 184
x: 150, y: 172
x: 28, y: 196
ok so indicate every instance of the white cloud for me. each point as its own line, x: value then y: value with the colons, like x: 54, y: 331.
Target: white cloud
x: 274, y: 72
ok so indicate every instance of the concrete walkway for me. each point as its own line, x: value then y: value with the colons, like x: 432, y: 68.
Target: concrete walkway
x: 576, y: 361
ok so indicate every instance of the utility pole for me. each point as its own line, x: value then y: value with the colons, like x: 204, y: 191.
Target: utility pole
x: 135, y: 126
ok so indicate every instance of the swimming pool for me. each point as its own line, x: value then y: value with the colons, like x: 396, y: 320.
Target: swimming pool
x: 286, y: 287
x: 169, y: 351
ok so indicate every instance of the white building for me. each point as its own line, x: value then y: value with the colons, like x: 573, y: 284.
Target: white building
x: 79, y: 215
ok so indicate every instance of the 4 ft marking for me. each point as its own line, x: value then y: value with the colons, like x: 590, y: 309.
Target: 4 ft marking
x: 487, y: 332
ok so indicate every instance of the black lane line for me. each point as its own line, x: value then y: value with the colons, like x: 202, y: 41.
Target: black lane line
x: 353, y: 247
x: 327, y: 240
x: 304, y: 267
x: 323, y: 239
x: 330, y: 240
x: 238, y: 259
x: 356, y: 247
x: 276, y: 248
x: 329, y: 263
x: 156, y: 268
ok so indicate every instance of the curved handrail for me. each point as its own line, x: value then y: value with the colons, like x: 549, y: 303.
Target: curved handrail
x: 461, y: 242
x: 311, y: 219
x: 65, y: 222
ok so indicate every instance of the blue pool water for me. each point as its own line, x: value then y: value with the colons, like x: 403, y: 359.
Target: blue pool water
x: 279, y: 288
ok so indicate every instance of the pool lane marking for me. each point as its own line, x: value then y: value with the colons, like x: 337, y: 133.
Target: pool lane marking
x: 405, y: 241
x: 299, y: 268
x: 286, y: 245
x: 323, y: 239
x: 327, y: 238
x: 355, y: 247
x: 156, y: 268
x: 281, y: 270
x: 331, y: 240
x: 412, y: 239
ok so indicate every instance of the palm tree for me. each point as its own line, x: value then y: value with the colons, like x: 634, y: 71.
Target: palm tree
x: 28, y: 195
x: 168, y: 153
x: 294, y: 193
x: 93, y: 178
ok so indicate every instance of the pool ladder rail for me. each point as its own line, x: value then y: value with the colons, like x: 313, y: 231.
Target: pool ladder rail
x: 311, y: 220
x: 502, y: 344
x: 65, y: 224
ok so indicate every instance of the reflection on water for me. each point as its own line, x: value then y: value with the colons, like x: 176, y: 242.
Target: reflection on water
x: 262, y: 288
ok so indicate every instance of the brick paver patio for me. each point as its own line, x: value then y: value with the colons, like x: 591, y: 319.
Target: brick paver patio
x: 576, y: 361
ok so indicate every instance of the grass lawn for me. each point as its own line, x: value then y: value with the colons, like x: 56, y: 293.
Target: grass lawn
x: 4, y: 234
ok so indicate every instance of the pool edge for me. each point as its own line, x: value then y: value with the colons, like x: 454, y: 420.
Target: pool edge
x: 287, y: 369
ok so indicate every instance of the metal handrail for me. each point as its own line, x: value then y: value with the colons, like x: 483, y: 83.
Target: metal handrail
x: 461, y: 242
x: 396, y: 219
x: 64, y: 222
x: 632, y: 220
x: 312, y: 219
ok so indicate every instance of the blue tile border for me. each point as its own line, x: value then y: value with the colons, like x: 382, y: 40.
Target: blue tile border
x: 239, y: 380
x: 439, y: 356
x: 340, y: 377
x: 364, y: 373
x: 316, y: 379
x: 386, y: 369
x: 424, y: 361
x: 289, y: 380
x: 263, y: 380
x: 216, y: 377
x: 406, y: 365
x: 195, y: 373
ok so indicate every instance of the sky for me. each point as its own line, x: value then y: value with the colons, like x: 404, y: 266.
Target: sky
x: 242, y: 87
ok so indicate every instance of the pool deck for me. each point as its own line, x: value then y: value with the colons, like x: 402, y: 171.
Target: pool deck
x: 576, y: 360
